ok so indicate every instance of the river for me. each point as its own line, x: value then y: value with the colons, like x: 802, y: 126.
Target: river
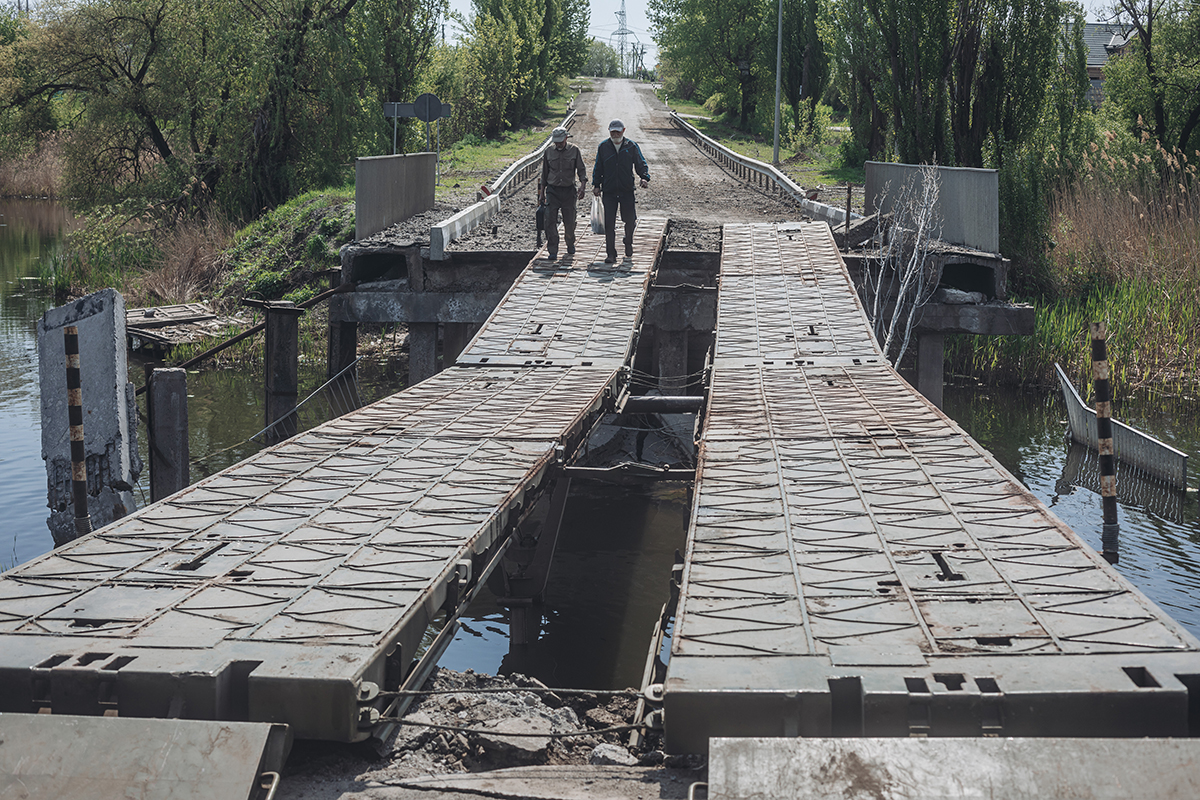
x: 613, y: 563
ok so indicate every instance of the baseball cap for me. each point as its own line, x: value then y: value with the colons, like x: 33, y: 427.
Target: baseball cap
x: 559, y: 135
x: 616, y: 125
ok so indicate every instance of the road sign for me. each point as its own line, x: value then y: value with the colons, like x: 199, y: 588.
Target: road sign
x: 391, y: 110
x: 428, y: 107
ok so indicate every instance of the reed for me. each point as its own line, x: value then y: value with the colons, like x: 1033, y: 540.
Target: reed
x: 36, y: 173
x: 1126, y: 251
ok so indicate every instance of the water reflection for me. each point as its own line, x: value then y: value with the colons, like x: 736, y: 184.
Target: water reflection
x: 1160, y: 535
x: 28, y: 239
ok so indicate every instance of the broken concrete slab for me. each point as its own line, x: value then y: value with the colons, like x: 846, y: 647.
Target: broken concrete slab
x: 606, y: 754
x: 528, y: 740
x: 534, y: 783
x: 109, y: 412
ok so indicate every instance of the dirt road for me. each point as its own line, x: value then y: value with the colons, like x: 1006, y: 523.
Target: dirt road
x: 687, y: 187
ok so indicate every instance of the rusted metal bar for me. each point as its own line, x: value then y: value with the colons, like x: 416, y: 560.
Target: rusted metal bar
x: 1102, y: 383
x: 83, y: 520
x: 663, y: 404
x: 849, y: 190
x: 212, y: 351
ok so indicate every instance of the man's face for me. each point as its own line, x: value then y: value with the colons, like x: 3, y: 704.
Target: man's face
x: 617, y: 134
x: 561, y: 145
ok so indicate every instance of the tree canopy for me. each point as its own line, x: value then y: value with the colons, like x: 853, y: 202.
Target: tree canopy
x: 248, y: 102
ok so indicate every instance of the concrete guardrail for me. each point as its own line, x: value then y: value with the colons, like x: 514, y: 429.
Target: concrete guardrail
x: 755, y: 171
x: 471, y: 217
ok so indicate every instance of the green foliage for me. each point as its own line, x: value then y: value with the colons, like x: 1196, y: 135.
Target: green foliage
x: 718, y: 43
x: 184, y: 103
x: 718, y: 47
x: 1155, y: 82
x: 602, y: 61
x: 114, y: 242
x: 282, y: 251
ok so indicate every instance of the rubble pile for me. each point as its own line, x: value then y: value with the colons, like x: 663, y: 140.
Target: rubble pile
x: 485, y: 723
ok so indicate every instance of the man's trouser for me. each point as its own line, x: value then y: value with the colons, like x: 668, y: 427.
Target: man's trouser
x: 560, y: 197
x: 628, y: 215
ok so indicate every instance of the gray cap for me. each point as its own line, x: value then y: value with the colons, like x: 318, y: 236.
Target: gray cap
x: 616, y: 125
x: 559, y: 135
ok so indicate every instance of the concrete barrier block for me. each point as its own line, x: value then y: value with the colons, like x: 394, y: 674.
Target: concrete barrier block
x: 390, y: 189
x: 442, y: 234
x: 968, y: 200
x: 109, y: 412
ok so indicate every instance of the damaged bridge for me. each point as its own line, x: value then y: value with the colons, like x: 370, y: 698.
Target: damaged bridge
x: 856, y: 565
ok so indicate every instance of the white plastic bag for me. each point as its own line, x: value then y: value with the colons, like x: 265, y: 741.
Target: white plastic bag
x: 597, y: 215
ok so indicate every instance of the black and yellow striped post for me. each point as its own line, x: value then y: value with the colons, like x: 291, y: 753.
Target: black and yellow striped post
x: 83, y: 520
x: 1102, y: 383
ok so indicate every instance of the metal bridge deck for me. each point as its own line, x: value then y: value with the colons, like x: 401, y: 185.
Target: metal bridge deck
x: 289, y: 587
x: 857, y: 565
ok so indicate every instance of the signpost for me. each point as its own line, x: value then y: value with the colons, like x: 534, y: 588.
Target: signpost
x: 427, y: 108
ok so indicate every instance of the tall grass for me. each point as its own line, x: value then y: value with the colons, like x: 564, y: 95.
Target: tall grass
x: 1127, y: 252
x: 38, y: 173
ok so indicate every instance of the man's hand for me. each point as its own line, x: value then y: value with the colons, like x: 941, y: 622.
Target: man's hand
x: 541, y: 198
x: 644, y: 183
x: 582, y: 192
x: 596, y: 191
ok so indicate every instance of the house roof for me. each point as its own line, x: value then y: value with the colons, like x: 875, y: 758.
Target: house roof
x: 1103, y: 40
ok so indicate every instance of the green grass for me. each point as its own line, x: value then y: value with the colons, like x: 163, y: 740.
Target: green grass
x: 281, y: 254
x: 1152, y: 343
x: 819, y: 164
x: 473, y: 160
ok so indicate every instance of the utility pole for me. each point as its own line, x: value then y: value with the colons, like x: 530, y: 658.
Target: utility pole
x: 778, y: 75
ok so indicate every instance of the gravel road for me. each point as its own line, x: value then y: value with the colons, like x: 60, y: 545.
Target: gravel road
x: 697, y: 195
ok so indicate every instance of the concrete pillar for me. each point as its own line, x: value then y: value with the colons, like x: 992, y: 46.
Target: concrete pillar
x: 930, y: 359
x: 166, y: 405
x: 422, y: 351
x: 671, y: 350
x: 110, y: 412
x: 455, y: 338
x: 343, y: 336
x: 282, y: 366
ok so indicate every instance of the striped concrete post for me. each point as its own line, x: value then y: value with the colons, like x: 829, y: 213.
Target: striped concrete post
x: 1101, y: 381
x: 79, y: 493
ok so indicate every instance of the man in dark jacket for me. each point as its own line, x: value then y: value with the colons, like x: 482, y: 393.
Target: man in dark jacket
x: 617, y: 159
x: 556, y: 189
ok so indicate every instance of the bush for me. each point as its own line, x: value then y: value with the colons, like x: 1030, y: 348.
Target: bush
x: 853, y: 153
x: 717, y: 104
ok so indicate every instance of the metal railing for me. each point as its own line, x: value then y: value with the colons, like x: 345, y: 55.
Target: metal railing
x: 759, y: 172
x: 1129, y: 444
x: 523, y: 168
x: 487, y: 199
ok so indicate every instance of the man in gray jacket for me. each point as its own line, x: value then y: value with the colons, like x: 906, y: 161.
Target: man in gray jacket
x: 617, y: 159
x: 556, y: 189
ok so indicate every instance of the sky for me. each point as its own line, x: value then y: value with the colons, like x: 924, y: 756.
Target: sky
x: 604, y: 22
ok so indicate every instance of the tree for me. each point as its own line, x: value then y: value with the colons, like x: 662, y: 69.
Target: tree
x: 721, y: 42
x: 949, y: 74
x: 248, y: 101
x: 859, y: 73
x: 805, y: 59
x: 1155, y: 84
x: 602, y: 61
